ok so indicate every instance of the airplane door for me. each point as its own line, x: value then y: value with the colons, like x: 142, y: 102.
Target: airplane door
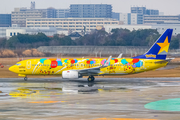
x: 143, y: 64
x: 28, y: 65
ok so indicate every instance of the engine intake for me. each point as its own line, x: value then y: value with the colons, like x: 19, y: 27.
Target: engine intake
x: 71, y: 74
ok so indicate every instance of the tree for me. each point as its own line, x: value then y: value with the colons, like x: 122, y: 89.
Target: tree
x: 2, y: 42
x: 11, y: 43
x: 174, y: 43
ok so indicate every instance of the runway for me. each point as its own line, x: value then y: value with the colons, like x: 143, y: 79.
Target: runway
x: 104, y: 99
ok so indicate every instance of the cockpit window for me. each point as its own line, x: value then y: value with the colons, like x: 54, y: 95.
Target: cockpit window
x: 18, y: 64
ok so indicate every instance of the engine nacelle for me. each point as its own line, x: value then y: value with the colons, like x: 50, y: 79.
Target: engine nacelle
x: 71, y: 74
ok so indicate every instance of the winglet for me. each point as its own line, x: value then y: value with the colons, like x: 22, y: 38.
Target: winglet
x: 120, y: 55
x: 107, y: 62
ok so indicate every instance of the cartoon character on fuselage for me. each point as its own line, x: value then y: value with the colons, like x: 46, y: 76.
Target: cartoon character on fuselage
x: 69, y: 68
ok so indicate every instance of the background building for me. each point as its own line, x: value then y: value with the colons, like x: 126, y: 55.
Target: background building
x: 32, y: 31
x: 32, y: 5
x: 160, y: 27
x: 51, y: 13
x: 90, y: 11
x: 73, y: 24
x: 3, y: 32
x: 19, y: 15
x: 62, y: 13
x: 144, y: 11
x: 141, y: 11
x: 138, y: 10
x: 129, y: 18
x: 152, y: 12
x: 124, y: 18
x: 5, y: 20
x: 161, y: 19
x: 116, y: 16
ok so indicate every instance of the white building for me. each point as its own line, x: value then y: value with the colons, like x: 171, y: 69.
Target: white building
x: 124, y: 18
x: 73, y: 24
x: 19, y: 15
x: 160, y: 27
x: 129, y: 18
x: 62, y: 13
x: 161, y: 19
x: 134, y: 19
x: 48, y: 31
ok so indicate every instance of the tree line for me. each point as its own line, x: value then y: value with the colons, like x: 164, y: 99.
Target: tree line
x: 117, y: 37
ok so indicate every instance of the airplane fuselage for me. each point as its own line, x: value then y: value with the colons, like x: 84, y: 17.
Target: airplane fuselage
x: 118, y: 66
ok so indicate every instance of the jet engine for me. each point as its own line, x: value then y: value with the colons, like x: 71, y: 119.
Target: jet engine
x: 71, y: 74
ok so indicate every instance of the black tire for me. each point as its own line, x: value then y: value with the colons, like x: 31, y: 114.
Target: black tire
x: 91, y: 78
x: 25, y: 79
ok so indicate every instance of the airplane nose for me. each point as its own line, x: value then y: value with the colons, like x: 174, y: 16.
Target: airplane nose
x: 12, y: 69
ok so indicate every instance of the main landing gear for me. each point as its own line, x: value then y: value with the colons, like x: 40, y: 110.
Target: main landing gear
x: 91, y: 78
x: 25, y: 78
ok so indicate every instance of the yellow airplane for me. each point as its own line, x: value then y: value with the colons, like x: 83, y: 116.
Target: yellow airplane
x: 69, y: 68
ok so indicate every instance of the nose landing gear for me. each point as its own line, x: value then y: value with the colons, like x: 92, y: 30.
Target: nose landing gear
x: 25, y: 78
x: 91, y: 78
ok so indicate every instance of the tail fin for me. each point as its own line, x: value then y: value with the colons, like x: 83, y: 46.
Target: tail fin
x: 160, y: 48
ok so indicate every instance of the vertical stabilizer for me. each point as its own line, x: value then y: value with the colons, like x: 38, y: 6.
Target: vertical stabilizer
x: 160, y: 48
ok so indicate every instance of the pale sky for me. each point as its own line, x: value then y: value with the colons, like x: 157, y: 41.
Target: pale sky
x: 169, y: 7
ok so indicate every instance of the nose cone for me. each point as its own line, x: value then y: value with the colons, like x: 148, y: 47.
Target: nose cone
x: 13, y: 69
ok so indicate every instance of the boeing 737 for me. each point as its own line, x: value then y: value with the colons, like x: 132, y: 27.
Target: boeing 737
x: 69, y: 68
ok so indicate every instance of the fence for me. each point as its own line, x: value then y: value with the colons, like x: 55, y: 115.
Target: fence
x: 104, y: 50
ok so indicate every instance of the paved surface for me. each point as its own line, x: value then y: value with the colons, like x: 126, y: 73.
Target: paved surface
x: 104, y: 99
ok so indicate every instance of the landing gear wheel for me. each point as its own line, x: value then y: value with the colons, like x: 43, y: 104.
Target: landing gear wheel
x: 25, y: 78
x: 91, y: 78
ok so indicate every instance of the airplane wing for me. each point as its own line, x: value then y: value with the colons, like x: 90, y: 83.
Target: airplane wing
x: 95, y: 70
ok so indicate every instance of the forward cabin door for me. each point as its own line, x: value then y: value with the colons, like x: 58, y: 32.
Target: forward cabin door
x: 28, y: 64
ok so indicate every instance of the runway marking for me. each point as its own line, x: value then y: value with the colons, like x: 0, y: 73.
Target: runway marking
x: 166, y: 105
x: 46, y: 101
x: 124, y: 119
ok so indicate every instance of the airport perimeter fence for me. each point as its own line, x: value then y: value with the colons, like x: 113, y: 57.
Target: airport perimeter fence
x: 94, y: 50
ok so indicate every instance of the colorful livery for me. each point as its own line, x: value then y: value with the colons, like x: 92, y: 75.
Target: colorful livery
x: 69, y: 68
